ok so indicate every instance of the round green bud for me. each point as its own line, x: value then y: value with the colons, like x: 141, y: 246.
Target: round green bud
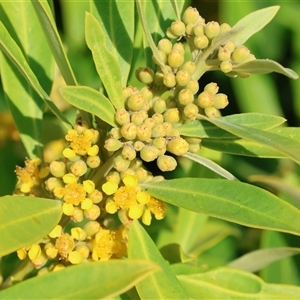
x: 198, y: 29
x: 91, y: 228
x: 112, y: 144
x: 115, y: 133
x: 189, y: 29
x: 96, y: 196
x: 147, y: 93
x: 57, y: 168
x: 204, y: 99
x: 159, y: 130
x: 93, y: 213
x: 193, y: 86
x: 194, y: 148
x: 78, y: 168
x: 122, y: 116
x: 193, y: 140
x: 158, y: 78
x: 128, y: 131
x: 224, y: 27
x: 239, y: 54
x: 166, y: 163
x: 173, y: 132
x: 178, y: 28
x: 113, y: 176
x: 190, y: 15
x: 229, y: 46
x: 226, y: 66
x: 185, y: 97
x: 159, y: 106
x: 127, y: 92
x: 143, y: 132
x: 138, y: 145
x: 212, y: 29
x: 53, y: 182
x: 137, y: 117
x: 145, y: 75
x: 93, y: 161
x: 170, y: 34
x: 189, y: 66
x: 135, y: 102
x: 182, y: 77
x: 223, y: 54
x: 220, y: 101
x: 149, y: 122
x: 172, y: 115
x: 158, y: 118
x: 201, y: 41
x: 212, y: 88
x: 212, y: 112
x: 159, y: 142
x: 190, y: 111
x: 179, y: 47
x: 149, y: 153
x: 178, y: 146
x: 121, y: 164
x: 162, y: 57
x: 165, y: 46
x: 141, y: 174
x: 175, y: 60
x: 128, y: 152
x: 169, y: 80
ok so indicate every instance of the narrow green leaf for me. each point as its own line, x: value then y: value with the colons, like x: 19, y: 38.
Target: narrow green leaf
x: 91, y: 101
x: 204, y: 129
x: 97, y: 280
x: 285, y: 146
x: 210, y: 165
x: 13, y: 52
x: 258, y: 259
x: 233, y: 201
x: 253, y: 23
x: 106, y: 63
x: 227, y: 283
x: 117, y: 21
x: 48, y: 25
x: 25, y: 220
x: 161, y: 285
x: 265, y: 66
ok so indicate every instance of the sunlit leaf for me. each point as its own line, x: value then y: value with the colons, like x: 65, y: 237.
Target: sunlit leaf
x: 97, y: 280
x: 161, y: 285
x: 90, y: 100
x: 25, y: 220
x: 106, y: 63
x: 233, y: 201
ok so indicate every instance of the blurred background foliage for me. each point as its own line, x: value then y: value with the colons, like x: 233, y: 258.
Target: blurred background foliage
x: 270, y: 94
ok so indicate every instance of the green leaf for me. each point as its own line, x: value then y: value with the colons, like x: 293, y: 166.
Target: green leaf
x: 253, y: 23
x: 265, y: 66
x: 210, y: 165
x: 227, y: 283
x: 258, y: 259
x: 117, y: 21
x: 204, y: 129
x: 97, y: 280
x: 285, y: 146
x: 233, y: 201
x: 161, y: 285
x: 91, y: 101
x: 25, y: 220
x: 48, y: 25
x: 106, y: 63
x: 14, y: 53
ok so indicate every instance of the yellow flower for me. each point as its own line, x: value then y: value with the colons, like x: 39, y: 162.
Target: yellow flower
x: 64, y: 244
x: 74, y: 193
x: 103, y: 245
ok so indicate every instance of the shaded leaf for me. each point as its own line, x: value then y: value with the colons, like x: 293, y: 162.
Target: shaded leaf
x: 25, y: 220
x: 161, y: 285
x: 97, y: 280
x: 233, y: 201
x: 91, y: 101
x: 106, y: 63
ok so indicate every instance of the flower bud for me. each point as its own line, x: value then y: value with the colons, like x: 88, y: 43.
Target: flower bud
x: 58, y: 168
x: 122, y: 116
x: 159, y: 142
x: 128, y: 152
x: 220, y: 101
x: 178, y: 146
x: 190, y: 15
x: 162, y: 56
x: 149, y: 153
x: 179, y: 47
x: 229, y: 46
x: 78, y: 168
x: 145, y: 75
x: 138, y: 145
x: 189, y: 66
x: 182, y: 77
x: 185, y: 96
x: 149, y: 122
x: 158, y: 118
x: 223, y: 54
x: 93, y: 161
x: 77, y: 215
x: 91, y: 228
x: 52, y: 183
x: 201, y: 41
x: 204, y: 99
x: 190, y: 111
x: 178, y: 28
x: 127, y: 92
x: 158, y: 78
x: 159, y: 106
x: 175, y: 59
x: 239, y: 54
x: 212, y: 88
x: 212, y: 29
x: 112, y: 144
x: 135, y: 102
x: 96, y: 196
x: 212, y: 112
x: 165, y: 46
x: 143, y: 132
x: 147, y: 93
x: 128, y: 131
x: 224, y: 27
x: 121, y: 164
x: 189, y: 29
x: 78, y: 234
x: 193, y: 86
x: 226, y: 66
x: 137, y: 118
x: 170, y: 34
x: 115, y: 133
x: 112, y: 177
x: 166, y: 163
x: 93, y: 213
x: 141, y: 174
x: 169, y: 80
x: 194, y: 148
x: 172, y: 115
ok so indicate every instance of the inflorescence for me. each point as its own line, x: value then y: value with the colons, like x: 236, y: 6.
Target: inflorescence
x: 99, y: 175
